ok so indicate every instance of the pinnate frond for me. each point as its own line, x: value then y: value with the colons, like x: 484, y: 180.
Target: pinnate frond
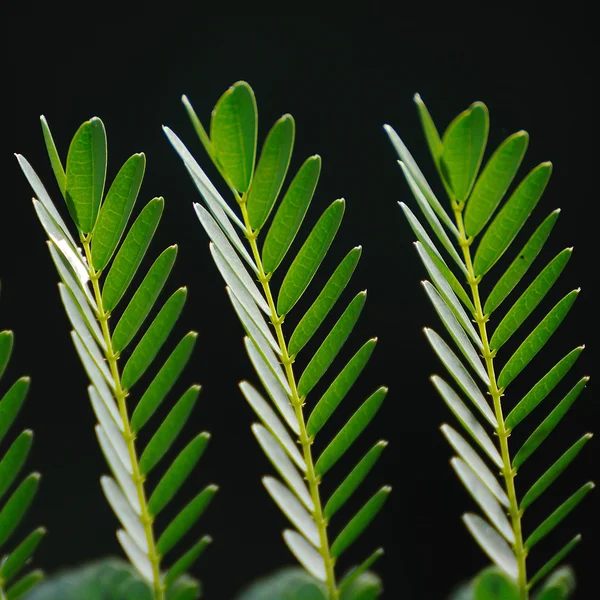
x: 482, y: 220
x: 250, y: 267
x: 97, y: 274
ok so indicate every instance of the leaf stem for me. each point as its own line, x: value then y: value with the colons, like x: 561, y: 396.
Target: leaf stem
x: 121, y: 395
x: 508, y: 472
x: 297, y: 403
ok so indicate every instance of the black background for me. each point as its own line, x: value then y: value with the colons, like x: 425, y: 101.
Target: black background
x: 342, y: 80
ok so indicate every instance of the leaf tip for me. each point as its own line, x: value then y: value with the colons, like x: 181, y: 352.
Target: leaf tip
x: 383, y: 443
x: 417, y: 98
x: 386, y: 489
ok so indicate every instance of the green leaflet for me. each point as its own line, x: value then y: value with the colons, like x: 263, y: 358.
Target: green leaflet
x: 558, y: 515
x: 187, y: 560
x: 17, y: 505
x: 360, y: 522
x: 431, y: 133
x: 331, y: 346
x: 131, y: 253
x: 508, y: 222
x: 143, y: 300
x: 86, y: 174
x: 182, y: 523
x: 290, y: 214
x: 153, y: 339
x: 541, y: 389
x: 20, y: 556
x: 552, y: 474
x: 24, y: 585
x: 6, y: 345
x: 352, y: 581
x: 14, y: 459
x: 548, y: 424
x: 167, y: 433
x: 352, y: 482
x: 57, y: 167
x: 521, y: 264
x: 536, y: 340
x: 339, y: 388
x: 116, y: 210
x: 494, y: 584
x: 351, y: 430
x: 271, y: 171
x: 492, y: 184
x: 325, y: 301
x: 463, y: 146
x: 530, y: 299
x: 309, y: 258
x: 11, y: 404
x: 177, y: 473
x: 233, y: 133
x: 554, y: 561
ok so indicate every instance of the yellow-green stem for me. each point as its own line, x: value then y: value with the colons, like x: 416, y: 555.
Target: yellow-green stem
x: 121, y: 395
x: 297, y: 403
x: 496, y: 393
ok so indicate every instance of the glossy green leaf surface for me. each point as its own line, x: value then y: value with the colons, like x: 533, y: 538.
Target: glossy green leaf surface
x: 116, y: 210
x: 351, y: 430
x: 530, y: 299
x: 352, y: 482
x: 360, y: 522
x: 163, y: 381
x: 309, y: 257
x: 548, y: 424
x: 508, y: 222
x: 57, y: 166
x: 131, y: 253
x: 25, y: 585
x: 187, y: 560
x: 17, y: 505
x: 555, y: 560
x: 353, y: 582
x: 16, y: 561
x: 331, y: 346
x: 13, y: 460
x: 558, y: 515
x: 179, y: 470
x: 271, y: 171
x: 167, y: 433
x: 325, y: 301
x: 338, y: 389
x: 287, y: 584
x: 542, y: 389
x: 494, y: 182
x: 520, y: 265
x: 143, y: 300
x: 536, y: 340
x: 86, y: 174
x: 430, y: 130
x: 11, y: 404
x: 493, y: 584
x: 6, y: 345
x: 290, y: 214
x: 183, y: 522
x: 154, y: 338
x: 552, y: 474
x: 463, y: 145
x: 233, y: 133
